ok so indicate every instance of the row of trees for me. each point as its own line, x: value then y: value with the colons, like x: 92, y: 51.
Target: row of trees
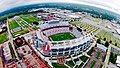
x: 106, y: 43
x: 113, y: 57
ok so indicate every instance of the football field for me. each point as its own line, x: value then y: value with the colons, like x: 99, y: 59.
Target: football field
x: 3, y: 37
x: 13, y: 24
x: 62, y: 36
x: 29, y: 18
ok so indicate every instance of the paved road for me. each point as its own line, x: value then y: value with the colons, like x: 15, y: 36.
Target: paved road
x: 108, y: 53
x: 11, y: 39
x: 107, y: 57
x: 112, y: 65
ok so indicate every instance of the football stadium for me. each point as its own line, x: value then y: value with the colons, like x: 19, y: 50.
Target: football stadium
x: 40, y: 34
x: 61, y: 39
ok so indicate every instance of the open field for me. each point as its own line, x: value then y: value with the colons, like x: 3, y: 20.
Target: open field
x: 93, y: 64
x: 84, y: 58
x: 97, y: 19
x: 58, y: 65
x: 22, y: 23
x: 70, y: 63
x: 13, y: 24
x: 29, y: 18
x: 3, y: 37
x: 89, y: 28
x: 12, y: 51
x: 105, y: 34
x: 62, y: 36
x: 20, y: 32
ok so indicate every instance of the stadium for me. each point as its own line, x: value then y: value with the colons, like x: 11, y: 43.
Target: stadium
x: 61, y: 39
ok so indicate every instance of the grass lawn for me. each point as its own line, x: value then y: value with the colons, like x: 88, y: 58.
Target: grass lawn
x: 89, y: 28
x: 84, y: 58
x: 22, y: 23
x: 93, y: 64
x: 98, y: 55
x: 80, y: 66
x: 77, y: 66
x: 29, y: 18
x: 58, y: 66
x: 91, y: 51
x: 101, y: 65
x: 3, y: 37
x: 62, y: 36
x: 75, y: 60
x: 13, y: 24
x: 20, y: 32
x: 97, y: 19
x: 105, y: 34
x: 36, y: 28
x: 70, y: 63
x: 12, y: 51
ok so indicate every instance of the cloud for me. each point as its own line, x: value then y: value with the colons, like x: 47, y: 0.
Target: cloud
x: 112, y: 5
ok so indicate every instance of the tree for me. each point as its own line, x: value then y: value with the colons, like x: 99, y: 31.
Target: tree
x: 113, y: 58
x: 95, y: 45
x: 104, y: 39
x: 98, y: 41
x: 106, y: 43
x: 110, y: 41
x: 115, y: 44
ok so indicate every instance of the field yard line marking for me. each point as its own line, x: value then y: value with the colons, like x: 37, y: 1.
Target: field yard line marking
x: 19, y: 24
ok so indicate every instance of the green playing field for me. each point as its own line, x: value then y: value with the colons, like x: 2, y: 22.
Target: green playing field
x: 3, y: 37
x: 62, y: 36
x: 13, y: 24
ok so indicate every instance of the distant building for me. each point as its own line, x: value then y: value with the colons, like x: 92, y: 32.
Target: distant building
x: 11, y: 65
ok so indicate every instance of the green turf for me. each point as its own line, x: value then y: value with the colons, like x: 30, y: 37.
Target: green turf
x: 109, y: 36
x: 70, y: 63
x: 21, y: 32
x: 12, y: 51
x: 13, y: 24
x: 98, y: 55
x: 93, y: 64
x: 62, y: 36
x: 97, y: 19
x: 84, y: 58
x: 29, y: 18
x: 3, y: 37
x: 58, y: 65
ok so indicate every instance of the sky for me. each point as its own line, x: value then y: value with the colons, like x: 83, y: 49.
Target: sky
x: 112, y: 5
